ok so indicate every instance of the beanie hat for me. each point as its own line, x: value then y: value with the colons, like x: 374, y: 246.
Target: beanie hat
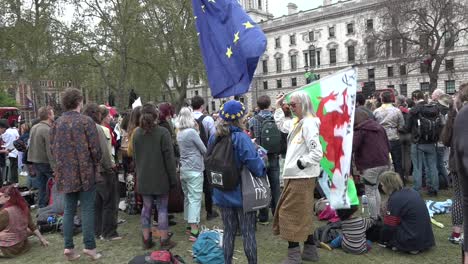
x: 232, y: 110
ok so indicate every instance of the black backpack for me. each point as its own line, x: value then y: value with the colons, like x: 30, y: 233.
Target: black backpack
x: 220, y: 164
x: 270, y: 136
x: 429, y: 123
x: 203, y: 133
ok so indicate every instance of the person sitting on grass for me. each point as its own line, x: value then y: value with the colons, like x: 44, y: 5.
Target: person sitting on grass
x: 407, y: 225
x: 353, y: 238
x: 16, y: 224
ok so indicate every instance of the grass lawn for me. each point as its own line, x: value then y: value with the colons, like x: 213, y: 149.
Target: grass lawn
x: 270, y: 248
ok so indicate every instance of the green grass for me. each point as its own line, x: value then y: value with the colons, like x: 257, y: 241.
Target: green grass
x: 271, y: 249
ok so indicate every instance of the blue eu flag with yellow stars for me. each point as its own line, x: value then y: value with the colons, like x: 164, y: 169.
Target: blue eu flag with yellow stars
x: 231, y: 45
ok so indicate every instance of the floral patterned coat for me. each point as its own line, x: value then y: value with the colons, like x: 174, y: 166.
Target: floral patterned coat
x: 74, y: 143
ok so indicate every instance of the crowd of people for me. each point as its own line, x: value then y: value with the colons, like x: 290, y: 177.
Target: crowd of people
x: 81, y: 152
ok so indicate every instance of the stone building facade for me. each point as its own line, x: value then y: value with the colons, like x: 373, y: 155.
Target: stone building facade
x: 330, y: 38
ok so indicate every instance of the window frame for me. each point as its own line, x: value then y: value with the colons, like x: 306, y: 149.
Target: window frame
x: 390, y: 72
x: 279, y: 83
x: 334, y: 53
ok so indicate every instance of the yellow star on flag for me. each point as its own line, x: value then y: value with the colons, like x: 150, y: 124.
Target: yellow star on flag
x: 203, y: 8
x: 229, y: 52
x: 236, y: 37
x: 212, y: 1
x: 247, y: 25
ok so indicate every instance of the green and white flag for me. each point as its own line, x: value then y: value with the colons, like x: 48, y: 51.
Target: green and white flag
x: 333, y: 98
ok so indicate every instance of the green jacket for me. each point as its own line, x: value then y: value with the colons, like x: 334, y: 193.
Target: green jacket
x: 39, y: 148
x: 155, y: 164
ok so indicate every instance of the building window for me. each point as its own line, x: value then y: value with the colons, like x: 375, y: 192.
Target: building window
x: 311, y: 36
x: 390, y: 71
x: 292, y: 39
x: 306, y: 59
x: 396, y: 48
x: 424, y: 67
x: 351, y: 54
x: 331, y: 32
x: 391, y: 86
x: 213, y: 106
x: 312, y: 58
x: 260, y: 4
x: 265, y: 85
x: 425, y: 87
x: 450, y: 87
x: 279, y: 83
x: 388, y: 48
x: 371, y: 50
x: 448, y: 40
x: 449, y: 65
x: 294, y: 82
x: 371, y: 74
x: 277, y: 43
x: 293, y: 62
x: 279, y: 68
x: 332, y: 56
x: 404, y: 89
x: 318, y: 58
x: 402, y: 70
x: 370, y: 24
x: 196, y: 92
x: 265, y: 66
x: 350, y: 28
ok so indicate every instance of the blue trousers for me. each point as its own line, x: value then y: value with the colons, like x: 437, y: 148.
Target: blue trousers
x: 43, y: 174
x: 425, y: 156
x: 273, y: 172
x: 87, y: 217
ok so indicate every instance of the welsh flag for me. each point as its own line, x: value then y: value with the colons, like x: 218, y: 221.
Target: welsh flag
x: 334, y: 100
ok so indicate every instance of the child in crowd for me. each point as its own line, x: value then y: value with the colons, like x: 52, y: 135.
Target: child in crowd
x: 353, y: 239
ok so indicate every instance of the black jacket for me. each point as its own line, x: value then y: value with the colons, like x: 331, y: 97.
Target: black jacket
x: 412, y: 124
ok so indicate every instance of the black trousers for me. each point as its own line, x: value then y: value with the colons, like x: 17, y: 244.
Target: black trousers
x: 208, y: 194
x: 106, y: 211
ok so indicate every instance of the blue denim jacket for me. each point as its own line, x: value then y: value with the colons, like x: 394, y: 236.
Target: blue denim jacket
x: 245, y: 154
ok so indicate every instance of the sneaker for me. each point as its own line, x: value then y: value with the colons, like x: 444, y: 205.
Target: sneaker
x: 211, y: 216
x: 264, y: 223
x: 455, y: 240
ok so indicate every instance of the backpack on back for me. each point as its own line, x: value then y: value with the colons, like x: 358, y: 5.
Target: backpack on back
x: 270, y: 136
x: 220, y: 164
x: 208, y: 249
x: 430, y: 123
x: 203, y: 133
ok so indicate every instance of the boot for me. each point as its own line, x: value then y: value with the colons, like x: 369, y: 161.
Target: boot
x: 167, y: 244
x: 294, y: 256
x: 310, y: 253
x: 147, y: 244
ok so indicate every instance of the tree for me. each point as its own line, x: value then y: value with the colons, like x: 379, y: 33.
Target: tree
x: 6, y: 100
x: 28, y: 35
x: 421, y: 32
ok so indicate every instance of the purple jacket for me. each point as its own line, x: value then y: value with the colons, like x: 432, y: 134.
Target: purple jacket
x: 370, y: 145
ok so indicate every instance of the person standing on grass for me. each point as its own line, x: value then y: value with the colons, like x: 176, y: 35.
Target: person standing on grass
x: 106, y: 207
x: 371, y: 154
x: 446, y: 138
x: 230, y: 201
x: 153, y: 154
x: 207, y: 129
x: 74, y: 143
x: 273, y: 169
x: 392, y: 120
x: 460, y: 145
x: 39, y: 152
x: 192, y: 166
x: 293, y: 220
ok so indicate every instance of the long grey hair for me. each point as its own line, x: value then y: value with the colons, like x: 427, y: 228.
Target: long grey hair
x: 185, y: 119
x: 304, y: 99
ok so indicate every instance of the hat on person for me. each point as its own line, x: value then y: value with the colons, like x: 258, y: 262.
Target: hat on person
x: 232, y: 110
x: 445, y: 100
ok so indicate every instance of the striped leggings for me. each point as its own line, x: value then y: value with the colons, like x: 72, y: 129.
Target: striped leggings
x: 232, y: 218
x: 457, y: 210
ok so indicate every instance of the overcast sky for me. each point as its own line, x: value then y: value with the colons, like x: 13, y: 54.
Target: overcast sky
x: 279, y: 7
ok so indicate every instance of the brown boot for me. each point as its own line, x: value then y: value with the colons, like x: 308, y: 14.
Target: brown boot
x: 167, y: 244
x: 147, y: 244
x: 310, y: 253
x: 294, y: 256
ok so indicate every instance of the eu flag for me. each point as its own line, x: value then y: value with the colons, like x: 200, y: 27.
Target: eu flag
x: 231, y: 45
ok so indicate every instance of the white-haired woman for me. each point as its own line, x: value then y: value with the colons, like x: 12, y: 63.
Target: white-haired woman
x: 192, y: 150
x: 293, y: 216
